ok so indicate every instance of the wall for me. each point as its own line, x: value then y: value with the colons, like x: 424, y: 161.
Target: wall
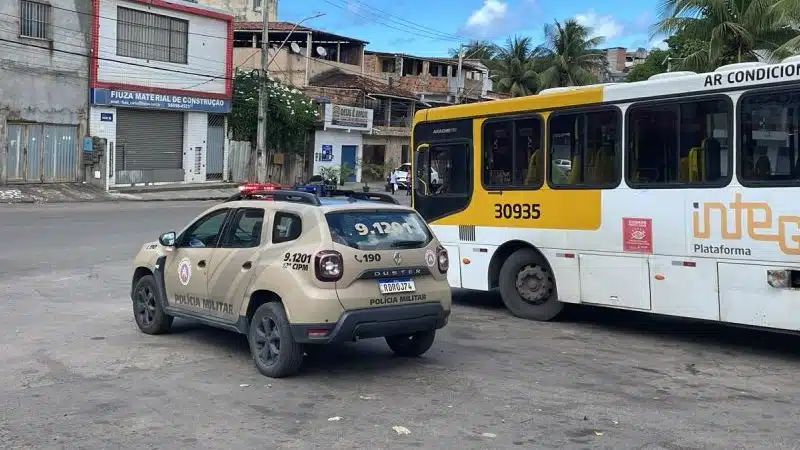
x: 337, y: 138
x: 394, y: 146
x: 207, y: 53
x: 242, y: 10
x: 40, y: 84
x: 290, y: 68
x: 107, y: 131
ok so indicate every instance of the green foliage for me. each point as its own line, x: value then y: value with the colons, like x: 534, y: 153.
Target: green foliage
x: 655, y: 63
x: 344, y: 172
x: 290, y: 113
x: 513, y: 68
x: 570, y: 55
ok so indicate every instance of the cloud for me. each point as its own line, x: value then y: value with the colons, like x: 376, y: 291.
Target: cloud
x: 658, y: 43
x: 488, y: 19
x: 604, y: 26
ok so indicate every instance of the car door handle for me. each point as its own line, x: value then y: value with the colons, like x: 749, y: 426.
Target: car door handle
x: 201, y: 263
x: 247, y: 265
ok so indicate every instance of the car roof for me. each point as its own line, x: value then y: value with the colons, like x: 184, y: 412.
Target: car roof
x: 299, y: 201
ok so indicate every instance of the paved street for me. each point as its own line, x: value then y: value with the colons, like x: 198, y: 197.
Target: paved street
x: 76, y: 373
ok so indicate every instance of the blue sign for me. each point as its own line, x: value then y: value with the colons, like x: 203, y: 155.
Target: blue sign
x: 87, y: 144
x: 327, y: 152
x: 106, y: 117
x: 147, y: 100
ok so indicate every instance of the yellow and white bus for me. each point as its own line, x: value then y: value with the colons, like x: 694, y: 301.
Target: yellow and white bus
x: 674, y: 195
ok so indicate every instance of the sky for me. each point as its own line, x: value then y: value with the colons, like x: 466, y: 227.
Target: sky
x: 433, y: 27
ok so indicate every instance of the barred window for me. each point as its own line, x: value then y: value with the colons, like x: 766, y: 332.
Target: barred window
x: 145, y: 35
x: 34, y: 19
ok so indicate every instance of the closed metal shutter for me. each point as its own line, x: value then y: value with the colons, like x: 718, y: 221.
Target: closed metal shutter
x: 149, y: 146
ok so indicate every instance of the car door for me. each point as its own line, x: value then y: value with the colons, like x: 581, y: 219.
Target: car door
x: 186, y: 271
x: 234, y: 262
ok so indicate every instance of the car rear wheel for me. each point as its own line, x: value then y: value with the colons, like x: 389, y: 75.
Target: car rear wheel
x: 147, y: 311
x: 528, y: 287
x: 411, y: 345
x: 275, y: 352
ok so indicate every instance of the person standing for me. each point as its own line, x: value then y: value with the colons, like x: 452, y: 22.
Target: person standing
x: 393, y: 182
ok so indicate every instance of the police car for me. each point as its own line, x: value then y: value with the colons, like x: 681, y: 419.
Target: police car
x: 290, y: 269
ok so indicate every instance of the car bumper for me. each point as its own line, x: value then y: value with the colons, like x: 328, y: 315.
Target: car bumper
x: 374, y: 322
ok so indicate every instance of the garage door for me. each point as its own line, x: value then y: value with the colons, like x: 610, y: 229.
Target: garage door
x: 149, y: 146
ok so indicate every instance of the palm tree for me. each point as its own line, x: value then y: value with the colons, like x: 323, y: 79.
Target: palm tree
x: 569, y: 55
x: 483, y: 51
x: 513, y: 68
x: 735, y: 30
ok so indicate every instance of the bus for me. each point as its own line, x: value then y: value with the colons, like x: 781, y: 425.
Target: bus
x: 673, y: 196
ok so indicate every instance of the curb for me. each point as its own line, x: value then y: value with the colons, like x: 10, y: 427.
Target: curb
x: 113, y: 200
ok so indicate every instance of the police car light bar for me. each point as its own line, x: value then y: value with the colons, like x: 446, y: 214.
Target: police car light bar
x: 250, y: 187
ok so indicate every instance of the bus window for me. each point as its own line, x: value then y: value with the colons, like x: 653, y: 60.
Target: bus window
x: 768, y: 149
x: 447, y: 167
x: 679, y: 143
x: 512, y: 153
x: 584, y: 149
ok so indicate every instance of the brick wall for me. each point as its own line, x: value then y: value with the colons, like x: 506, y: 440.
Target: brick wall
x: 371, y: 64
x: 347, y: 97
x: 423, y: 83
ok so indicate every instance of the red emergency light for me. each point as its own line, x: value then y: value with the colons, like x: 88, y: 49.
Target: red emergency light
x: 254, y: 186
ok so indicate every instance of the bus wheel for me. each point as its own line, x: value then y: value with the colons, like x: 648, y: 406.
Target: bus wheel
x: 528, y: 287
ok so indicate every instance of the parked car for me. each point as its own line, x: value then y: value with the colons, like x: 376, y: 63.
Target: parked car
x: 402, y: 175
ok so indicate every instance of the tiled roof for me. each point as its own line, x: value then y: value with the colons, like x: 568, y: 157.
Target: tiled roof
x: 286, y: 27
x: 336, y: 78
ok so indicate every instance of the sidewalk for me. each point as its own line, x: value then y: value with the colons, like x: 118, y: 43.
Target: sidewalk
x: 84, y: 192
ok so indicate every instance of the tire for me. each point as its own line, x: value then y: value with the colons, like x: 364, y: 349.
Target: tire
x: 411, y: 345
x: 147, y: 310
x: 545, y: 306
x: 274, y: 350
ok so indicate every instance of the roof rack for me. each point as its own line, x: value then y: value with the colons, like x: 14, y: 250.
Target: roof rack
x: 279, y: 195
x: 352, y: 196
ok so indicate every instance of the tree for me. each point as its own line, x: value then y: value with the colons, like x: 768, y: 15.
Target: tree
x: 569, y: 56
x: 655, y: 63
x: 731, y: 31
x: 290, y: 113
x: 484, y: 51
x: 513, y: 68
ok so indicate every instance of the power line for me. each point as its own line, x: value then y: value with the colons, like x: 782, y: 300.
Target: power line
x: 412, y: 24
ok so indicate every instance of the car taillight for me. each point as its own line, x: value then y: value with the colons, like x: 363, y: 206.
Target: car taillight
x: 442, y: 259
x: 329, y: 265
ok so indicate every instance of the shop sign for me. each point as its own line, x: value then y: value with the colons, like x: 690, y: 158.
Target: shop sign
x: 149, y: 100
x: 347, y: 117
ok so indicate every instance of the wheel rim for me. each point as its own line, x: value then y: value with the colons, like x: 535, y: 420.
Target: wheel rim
x: 145, y: 305
x: 268, y: 341
x: 534, y: 284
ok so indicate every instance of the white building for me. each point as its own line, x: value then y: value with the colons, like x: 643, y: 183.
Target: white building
x: 160, y: 86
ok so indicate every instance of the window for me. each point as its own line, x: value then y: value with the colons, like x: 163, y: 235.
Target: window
x: 145, y: 35
x: 447, y: 170
x: 378, y: 230
x: 34, y: 19
x: 205, y: 232
x: 256, y: 5
x: 679, y: 144
x: 512, y: 154
x: 287, y: 227
x: 584, y: 149
x: 245, y: 229
x: 768, y: 150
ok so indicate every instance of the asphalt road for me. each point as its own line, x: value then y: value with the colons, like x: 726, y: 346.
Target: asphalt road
x: 76, y: 373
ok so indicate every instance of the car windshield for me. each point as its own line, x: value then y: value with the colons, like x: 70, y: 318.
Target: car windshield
x: 378, y: 230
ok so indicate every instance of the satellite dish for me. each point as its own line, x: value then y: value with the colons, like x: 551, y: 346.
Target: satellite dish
x: 321, y: 51
x: 295, y: 48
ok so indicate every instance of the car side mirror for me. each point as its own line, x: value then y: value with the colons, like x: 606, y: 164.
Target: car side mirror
x: 168, y: 239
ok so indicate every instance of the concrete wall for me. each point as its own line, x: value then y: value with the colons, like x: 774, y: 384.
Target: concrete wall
x: 243, y: 10
x: 208, y: 43
x: 394, y: 146
x: 40, y: 84
x: 195, y: 134
x: 336, y: 138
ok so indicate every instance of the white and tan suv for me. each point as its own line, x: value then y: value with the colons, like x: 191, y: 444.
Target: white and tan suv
x: 289, y: 269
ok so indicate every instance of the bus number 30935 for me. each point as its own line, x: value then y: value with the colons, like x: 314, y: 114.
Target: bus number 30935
x: 516, y: 211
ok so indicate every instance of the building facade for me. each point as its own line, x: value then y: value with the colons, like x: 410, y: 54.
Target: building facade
x: 160, y: 87
x: 245, y: 10
x: 433, y: 80
x: 371, y: 123
x: 44, y: 76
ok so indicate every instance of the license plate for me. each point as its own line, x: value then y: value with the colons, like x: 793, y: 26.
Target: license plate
x: 396, y: 285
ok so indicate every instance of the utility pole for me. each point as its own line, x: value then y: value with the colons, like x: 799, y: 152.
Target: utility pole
x: 263, y: 100
x: 459, y: 73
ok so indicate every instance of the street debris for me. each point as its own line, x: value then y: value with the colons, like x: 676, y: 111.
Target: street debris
x: 598, y: 433
x: 366, y: 397
x: 489, y: 435
x: 334, y: 419
x: 244, y: 385
x: 401, y: 430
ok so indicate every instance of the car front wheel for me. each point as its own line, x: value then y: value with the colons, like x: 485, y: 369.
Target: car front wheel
x: 147, y: 311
